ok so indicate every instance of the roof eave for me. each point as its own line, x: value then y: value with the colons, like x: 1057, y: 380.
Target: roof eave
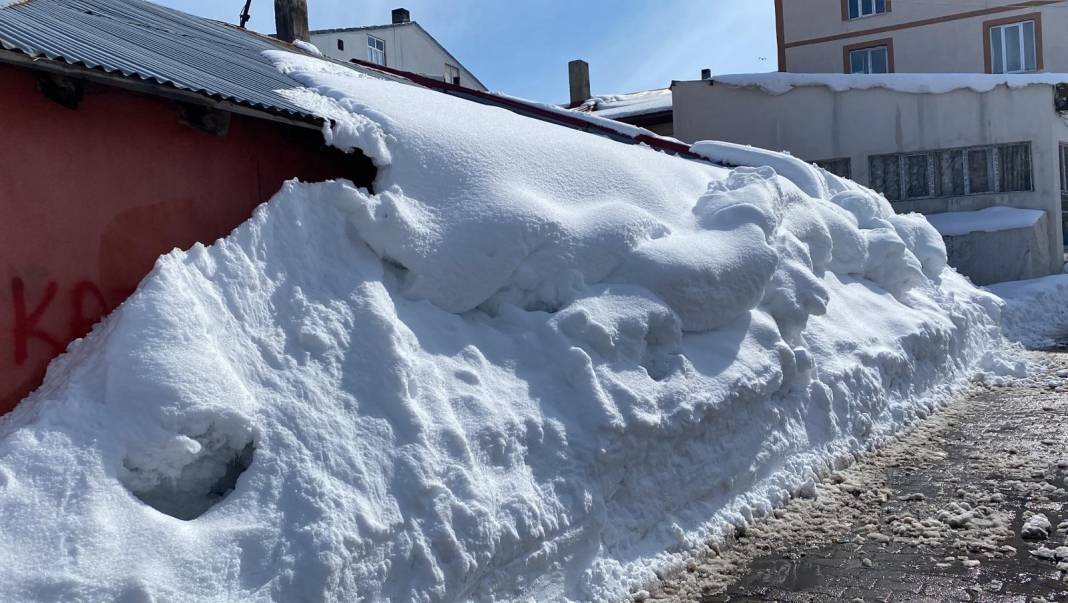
x: 152, y: 87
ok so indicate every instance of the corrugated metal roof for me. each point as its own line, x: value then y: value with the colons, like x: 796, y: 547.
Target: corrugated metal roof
x: 142, y: 40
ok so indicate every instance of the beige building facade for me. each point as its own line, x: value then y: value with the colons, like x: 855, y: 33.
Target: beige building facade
x: 941, y: 153
x: 922, y: 36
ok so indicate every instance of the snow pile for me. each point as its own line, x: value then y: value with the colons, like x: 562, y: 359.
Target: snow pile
x: 1035, y: 313
x: 535, y: 364
x: 628, y: 105
x: 913, y: 83
x: 991, y: 219
x: 308, y: 47
x: 1038, y: 527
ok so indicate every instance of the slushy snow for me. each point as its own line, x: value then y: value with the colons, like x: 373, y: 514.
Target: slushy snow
x: 532, y: 364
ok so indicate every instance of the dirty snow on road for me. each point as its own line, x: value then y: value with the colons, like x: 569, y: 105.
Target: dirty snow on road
x: 971, y: 505
x: 531, y: 364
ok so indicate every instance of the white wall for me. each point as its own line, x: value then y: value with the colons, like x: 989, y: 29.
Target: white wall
x: 817, y: 123
x: 952, y: 46
x: 408, y: 48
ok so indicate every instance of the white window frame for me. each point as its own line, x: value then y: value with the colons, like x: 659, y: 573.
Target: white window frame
x: 859, y: 4
x: 867, y: 59
x: 376, y: 50
x: 1001, y: 30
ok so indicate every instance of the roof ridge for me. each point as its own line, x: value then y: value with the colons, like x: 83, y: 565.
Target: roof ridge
x: 359, y: 28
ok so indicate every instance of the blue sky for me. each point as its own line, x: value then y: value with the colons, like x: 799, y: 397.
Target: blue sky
x: 522, y: 46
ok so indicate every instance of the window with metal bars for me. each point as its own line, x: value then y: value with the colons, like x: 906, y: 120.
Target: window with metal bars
x: 841, y: 166
x: 953, y: 172
x: 1064, y: 193
x: 1064, y: 169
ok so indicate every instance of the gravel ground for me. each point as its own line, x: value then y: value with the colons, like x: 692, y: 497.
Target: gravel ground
x: 938, y: 515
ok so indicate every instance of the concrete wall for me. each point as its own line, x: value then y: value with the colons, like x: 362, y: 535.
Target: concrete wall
x: 953, y: 45
x: 986, y: 257
x: 817, y: 123
x: 408, y: 47
x: 91, y: 197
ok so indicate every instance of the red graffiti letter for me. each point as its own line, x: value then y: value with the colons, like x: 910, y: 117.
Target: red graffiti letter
x: 25, y: 327
x: 80, y: 321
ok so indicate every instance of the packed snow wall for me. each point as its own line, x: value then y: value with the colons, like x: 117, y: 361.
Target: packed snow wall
x: 535, y: 364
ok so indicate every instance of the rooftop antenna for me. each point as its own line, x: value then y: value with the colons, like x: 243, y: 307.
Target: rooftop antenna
x: 244, y: 13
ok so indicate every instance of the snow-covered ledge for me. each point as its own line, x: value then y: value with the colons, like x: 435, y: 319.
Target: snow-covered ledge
x: 995, y: 244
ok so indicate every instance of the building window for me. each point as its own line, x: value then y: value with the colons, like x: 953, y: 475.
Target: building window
x: 1064, y: 170
x: 340, y: 44
x: 866, y: 8
x: 1014, y: 45
x: 876, y: 56
x: 376, y: 51
x: 1064, y: 193
x: 1013, y: 167
x: 452, y: 74
x: 839, y: 167
x: 953, y: 172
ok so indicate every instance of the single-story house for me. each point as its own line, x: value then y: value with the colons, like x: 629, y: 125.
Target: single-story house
x: 984, y: 156
x: 648, y: 109
x: 129, y: 129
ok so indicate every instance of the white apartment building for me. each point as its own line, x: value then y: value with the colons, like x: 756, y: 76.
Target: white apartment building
x: 922, y: 36
x: 402, y: 45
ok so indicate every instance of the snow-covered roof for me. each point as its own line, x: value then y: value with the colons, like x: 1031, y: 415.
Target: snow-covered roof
x: 916, y: 83
x: 619, y: 106
x: 533, y: 364
x: 991, y: 219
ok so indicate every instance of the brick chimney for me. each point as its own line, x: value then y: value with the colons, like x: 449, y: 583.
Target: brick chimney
x: 401, y: 16
x: 291, y: 20
x: 578, y: 75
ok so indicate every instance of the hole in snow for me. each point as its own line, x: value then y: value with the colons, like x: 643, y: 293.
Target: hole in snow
x: 189, y: 475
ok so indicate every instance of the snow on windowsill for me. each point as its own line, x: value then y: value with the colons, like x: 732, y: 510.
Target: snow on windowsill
x: 991, y: 219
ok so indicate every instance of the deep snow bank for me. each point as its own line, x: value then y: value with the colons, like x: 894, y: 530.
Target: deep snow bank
x: 536, y: 363
x: 1035, y: 312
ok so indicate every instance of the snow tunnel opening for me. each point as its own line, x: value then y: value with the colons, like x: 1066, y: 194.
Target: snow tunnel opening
x: 351, y: 164
x: 186, y: 489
